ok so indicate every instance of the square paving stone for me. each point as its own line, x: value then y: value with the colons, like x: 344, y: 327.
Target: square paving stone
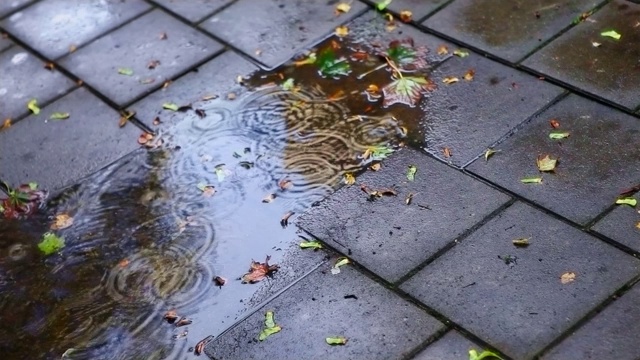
x: 9, y: 6
x: 521, y: 307
x: 468, y: 116
x: 193, y: 10
x: 611, y: 70
x: 612, y: 334
x: 24, y: 78
x: 55, y: 153
x: 418, y: 8
x: 216, y: 77
x: 134, y: 47
x: 387, y: 236
x: 377, y: 323
x: 277, y: 28
x: 452, y: 346
x: 622, y: 225
x: 52, y: 26
x: 509, y: 29
x: 596, y: 161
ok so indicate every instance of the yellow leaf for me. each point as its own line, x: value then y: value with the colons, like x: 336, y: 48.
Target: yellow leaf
x: 546, y: 163
x: 469, y: 74
x: 567, y: 277
x: 450, y: 80
x: 406, y: 16
x: 375, y: 167
x: 349, y: 179
x: 342, y: 31
x: 343, y: 8
x: 443, y: 50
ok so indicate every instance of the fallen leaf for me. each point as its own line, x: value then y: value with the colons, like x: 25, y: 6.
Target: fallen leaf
x: 383, y: 4
x: 258, y: 271
x: 201, y: 113
x: 49, y: 66
x: 469, y: 74
x: 207, y: 190
x: 349, y: 179
x: 166, y: 84
x: 405, y: 55
x: 153, y: 64
x: 341, y: 261
x: 123, y: 263
x: 380, y: 152
x: 627, y: 201
x: 6, y: 123
x: 199, y: 348
x: 72, y: 48
x: 125, y: 71
x: 486, y: 354
x: 406, y: 16
x: 450, y: 80
x: 219, y: 281
x: 330, y: 65
x: 269, y: 198
x: 269, y: 320
x: 209, y: 97
x: 612, y: 34
x: 221, y: 173
x: 342, y: 31
x: 446, y: 152
x: 310, y: 59
x: 638, y: 225
x: 375, y: 166
x: 33, y: 106
x: 183, y: 322
x: 288, y: 85
x: 489, y: 153
x: 556, y: 135
x: 460, y: 53
x: 343, y: 8
x: 285, y: 184
x: 171, y: 316
x: 443, y: 50
x: 170, y: 106
x: 33, y: 186
x: 163, y: 36
x: 311, y: 245
x: 409, y: 198
x: 61, y: 221
x: 144, y: 138
x: 50, y: 243
x: 554, y: 123
x: 407, y: 90
x: 284, y: 221
x: 59, y: 116
x: 124, y: 117
x: 522, y: 242
x: 531, y: 180
x: 546, y: 163
x: 595, y: 44
x: 265, y: 333
x: 411, y: 172
x: 567, y: 277
x: 147, y: 81
x: 582, y: 17
x: 338, y: 340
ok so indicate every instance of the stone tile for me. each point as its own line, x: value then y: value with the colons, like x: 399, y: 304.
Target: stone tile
x: 452, y: 346
x: 278, y: 28
x: 612, y: 334
x: 609, y: 71
x: 9, y: 6
x: 216, y: 77
x: 469, y: 116
x: 193, y: 10
x: 377, y: 323
x: 389, y: 237
x: 5, y: 43
x: 134, y: 46
x: 55, y: 153
x: 419, y: 8
x: 520, y: 308
x: 596, y: 162
x: 24, y: 78
x: 52, y: 26
x: 508, y: 29
x: 622, y: 225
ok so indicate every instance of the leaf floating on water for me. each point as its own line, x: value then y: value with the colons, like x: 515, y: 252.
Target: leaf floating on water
x: 627, y: 201
x: 219, y: 281
x: 612, y: 34
x: 486, y: 354
x: 557, y: 135
x: 59, y: 116
x: 285, y: 184
x: 330, y: 65
x: 522, y: 242
x: 383, y: 4
x: 33, y: 106
x: 341, y: 261
x: 407, y: 90
x: 531, y: 180
x: 207, y: 190
x: 546, y: 163
x: 50, y: 243
x: 450, y: 80
x: 201, y: 344
x: 265, y: 333
x: 284, y: 222
x: 61, y: 221
x: 258, y: 271
x: 288, y: 85
x: 125, y: 71
x: 411, y: 173
x: 568, y: 277
x: 201, y: 113
x: 246, y: 164
x: 338, y: 340
x: 221, y: 173
x: 460, y: 53
x: 171, y: 316
x: 170, y: 106
x: 349, y: 179
x: 183, y: 322
x: 315, y: 245
x: 269, y: 198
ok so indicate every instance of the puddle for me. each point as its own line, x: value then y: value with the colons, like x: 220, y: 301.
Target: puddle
x: 146, y: 240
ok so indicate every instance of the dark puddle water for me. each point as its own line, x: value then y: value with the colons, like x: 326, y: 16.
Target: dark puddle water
x: 145, y: 240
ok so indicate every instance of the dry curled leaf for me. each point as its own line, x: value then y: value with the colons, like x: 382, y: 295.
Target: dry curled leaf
x: 442, y: 50
x: 61, y: 221
x: 199, y: 348
x: 285, y: 184
x: 125, y: 116
x: 406, y: 16
x: 49, y: 66
x: 144, y: 138
x: 568, y: 277
x: 349, y: 179
x: 183, y: 322
x: 450, y: 80
x: 219, y: 281
x: 554, y: 123
x: 171, y: 316
x: 6, y: 124
x: 153, y: 64
x: 258, y: 271
x: 285, y: 219
x: 546, y: 163
x: 446, y: 152
x: 342, y: 8
x: 468, y: 76
x: 375, y: 167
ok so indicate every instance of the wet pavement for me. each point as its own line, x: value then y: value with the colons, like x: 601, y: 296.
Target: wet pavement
x: 186, y: 140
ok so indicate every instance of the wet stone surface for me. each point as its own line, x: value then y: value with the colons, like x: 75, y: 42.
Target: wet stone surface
x: 216, y: 78
x: 46, y: 151
x: 522, y: 306
x: 610, y: 70
x: 389, y: 237
x: 508, y: 29
x: 135, y: 47
x: 24, y: 78
x: 468, y: 116
x: 277, y: 29
x: 193, y: 10
x: 591, y: 169
x: 5, y: 43
x: 612, y: 334
x: 452, y: 346
x: 9, y: 6
x: 52, y: 27
x: 308, y: 311
x: 418, y: 8
x: 622, y: 225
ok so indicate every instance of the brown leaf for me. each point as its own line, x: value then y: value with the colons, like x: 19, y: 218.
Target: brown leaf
x: 342, y: 31
x: 406, y: 16
x: 285, y: 219
x: 209, y: 97
x: 219, y: 281
x: 258, y: 271
x: 269, y: 198
x: 6, y: 124
x: 125, y: 116
x: 201, y: 344
x: 61, y: 221
x: 166, y: 84
x: 568, y: 277
x: 123, y: 263
x: 157, y: 121
x: 72, y: 48
x: 183, y: 322
x: 450, y: 80
x: 554, y: 123
x: 285, y: 184
x: 171, y: 316
x: 144, y: 138
x: 469, y: 74
x: 443, y: 50
x: 375, y: 167
x: 447, y: 152
x: 153, y: 64
x: 49, y: 66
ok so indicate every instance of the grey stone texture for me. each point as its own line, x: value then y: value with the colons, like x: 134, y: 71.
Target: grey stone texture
x: 194, y: 10
x: 452, y: 346
x: 10, y: 6
x: 622, y: 225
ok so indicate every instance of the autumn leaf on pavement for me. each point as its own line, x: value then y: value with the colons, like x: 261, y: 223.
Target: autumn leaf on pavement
x: 342, y: 31
x: 568, y: 277
x: 207, y: 190
x: 612, y: 34
x: 522, y: 242
x: 170, y: 106
x: 460, y: 53
x: 337, y: 340
x: 341, y: 261
x: 489, y: 153
x: 343, y: 8
x: 61, y: 221
x: 270, y: 326
x: 59, y: 116
x: 199, y: 348
x: 411, y: 172
x: 468, y: 76
x: 557, y: 135
x: 546, y: 163
x: 382, y: 4
x: 486, y: 354
x: 406, y: 90
x: 315, y: 245
x: 264, y: 334
x: 125, y: 71
x: 349, y: 179
x: 406, y: 16
x: 442, y: 50
x: 259, y: 271
x: 450, y: 80
x: 531, y: 180
x: 33, y: 106
x: 269, y: 320
x: 627, y: 201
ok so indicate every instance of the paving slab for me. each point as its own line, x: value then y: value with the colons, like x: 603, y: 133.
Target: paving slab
x: 216, y: 77
x: 612, y: 334
x: 596, y: 161
x: 9, y: 6
x: 468, y: 116
x: 387, y: 236
x: 508, y: 29
x: 521, y: 307
x: 610, y: 70
x: 418, y: 8
x: 24, y: 78
x: 277, y: 29
x: 377, y: 323
x: 52, y: 27
x: 5, y: 43
x: 622, y: 225
x: 452, y: 346
x: 55, y: 153
x: 193, y: 10
x: 133, y: 47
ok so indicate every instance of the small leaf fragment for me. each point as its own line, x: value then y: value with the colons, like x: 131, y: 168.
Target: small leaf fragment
x: 170, y: 106
x: 342, y: 31
x: 460, y: 53
x: 264, y: 334
x: 406, y: 16
x: 258, y: 271
x: 637, y: 224
x: 557, y: 135
x: 207, y: 190
x: 486, y: 354
x: 61, y: 221
x: 411, y: 172
x: 288, y: 85
x: 450, y: 80
x: 311, y: 245
x: 59, y: 116
x: 269, y: 198
x: 220, y: 172
x: 50, y: 243
x: 522, y: 242
x: 375, y: 166
x: 383, y: 4
x: 338, y: 340
x: 341, y: 261
x: 443, y: 50
x: 554, y: 123
x: 284, y: 221
x: 627, y: 201
x: 546, y: 163
x: 409, y: 198
x: 567, y: 277
x: 33, y: 186
x: 380, y: 152
x: 349, y: 179
x: 125, y: 71
x: 343, y: 8
x: 531, y: 180
x: 219, y: 281
x: 612, y: 34
x: 33, y: 106
x: 468, y: 76
x: 489, y: 153
x: 595, y: 44
x: 269, y: 321
x: 285, y: 184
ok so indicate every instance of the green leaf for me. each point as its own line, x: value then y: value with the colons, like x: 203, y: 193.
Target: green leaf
x: 381, y: 153
x: 59, y: 116
x: 411, y: 172
x: 556, y: 135
x: 523, y: 242
x: 546, y: 163
x: 268, y: 332
x: 627, y: 201
x: 338, y: 340
x: 311, y: 245
x: 473, y: 355
x: 488, y: 153
x: 329, y: 65
x: 406, y: 90
x: 612, y: 34
x: 288, y: 85
x: 220, y: 172
x: 170, y: 106
x: 125, y: 71
x: 269, y: 321
x: 341, y: 261
x: 33, y: 106
x: 460, y: 53
x: 531, y: 180
x: 383, y: 4
x: 50, y: 243
x: 33, y: 185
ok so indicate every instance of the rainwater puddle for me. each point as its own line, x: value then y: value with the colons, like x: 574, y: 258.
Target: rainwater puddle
x: 146, y: 240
